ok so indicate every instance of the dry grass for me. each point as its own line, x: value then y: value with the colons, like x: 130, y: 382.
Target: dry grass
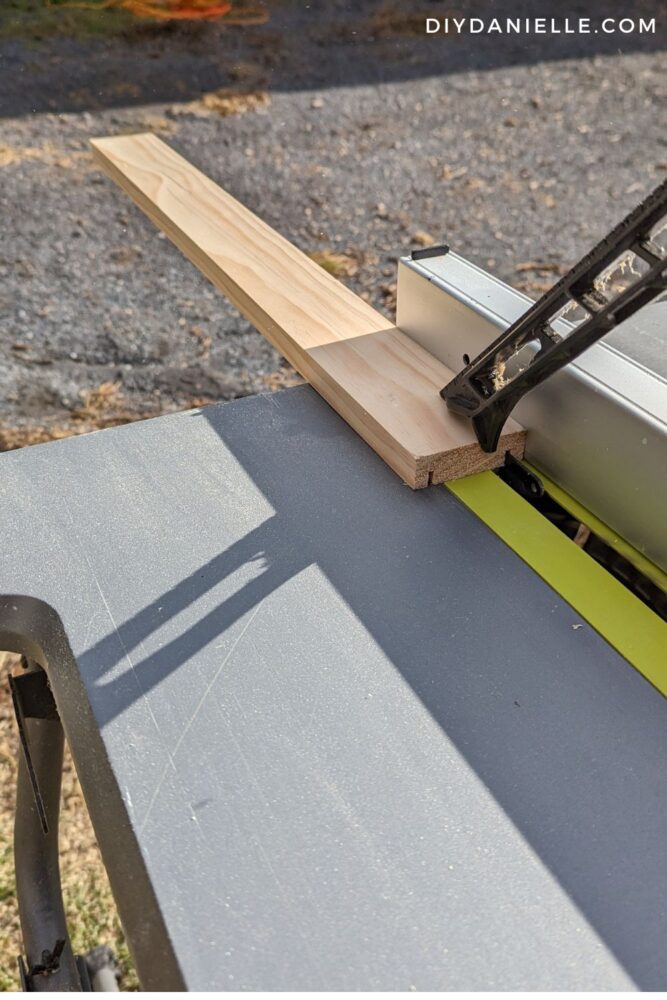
x: 247, y: 93
x: 52, y: 155
x: 226, y: 101
x: 539, y: 276
x: 88, y: 900
x: 37, y: 20
x: 99, y: 408
x: 423, y: 239
x: 340, y: 265
x: 389, y: 297
x: 284, y: 378
x: 105, y: 406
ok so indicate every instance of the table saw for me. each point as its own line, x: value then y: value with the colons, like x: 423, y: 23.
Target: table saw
x: 337, y: 734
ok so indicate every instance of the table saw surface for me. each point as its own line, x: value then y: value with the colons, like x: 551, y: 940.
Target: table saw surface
x: 332, y: 733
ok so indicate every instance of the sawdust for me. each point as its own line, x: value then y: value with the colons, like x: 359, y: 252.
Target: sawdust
x: 619, y: 275
x: 498, y: 376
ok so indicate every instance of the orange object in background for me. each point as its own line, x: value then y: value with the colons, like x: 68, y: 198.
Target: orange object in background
x: 174, y: 10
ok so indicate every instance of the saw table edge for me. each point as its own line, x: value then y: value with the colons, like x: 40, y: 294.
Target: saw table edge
x: 621, y: 618
x: 379, y: 380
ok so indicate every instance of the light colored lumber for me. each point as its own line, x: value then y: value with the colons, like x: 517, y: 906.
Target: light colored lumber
x: 382, y: 383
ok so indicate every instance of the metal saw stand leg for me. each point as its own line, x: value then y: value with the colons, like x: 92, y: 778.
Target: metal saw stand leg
x: 49, y: 965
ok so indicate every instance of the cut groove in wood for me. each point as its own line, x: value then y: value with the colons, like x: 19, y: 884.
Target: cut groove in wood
x: 379, y: 380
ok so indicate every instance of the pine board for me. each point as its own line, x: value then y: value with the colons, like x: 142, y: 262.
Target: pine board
x: 382, y: 383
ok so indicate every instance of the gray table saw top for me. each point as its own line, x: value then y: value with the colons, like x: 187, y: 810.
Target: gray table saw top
x: 332, y: 733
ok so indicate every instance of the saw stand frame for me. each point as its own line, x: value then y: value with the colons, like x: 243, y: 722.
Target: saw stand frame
x: 49, y: 964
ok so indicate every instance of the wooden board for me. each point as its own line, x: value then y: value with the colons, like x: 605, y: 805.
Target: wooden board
x: 382, y: 383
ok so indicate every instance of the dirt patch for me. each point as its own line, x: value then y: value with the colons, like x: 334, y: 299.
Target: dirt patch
x: 394, y: 21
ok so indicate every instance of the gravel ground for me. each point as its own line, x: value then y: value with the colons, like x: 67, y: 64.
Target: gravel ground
x: 354, y: 135
x: 350, y: 132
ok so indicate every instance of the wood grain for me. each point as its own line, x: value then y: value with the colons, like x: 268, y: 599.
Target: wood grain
x: 382, y: 383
